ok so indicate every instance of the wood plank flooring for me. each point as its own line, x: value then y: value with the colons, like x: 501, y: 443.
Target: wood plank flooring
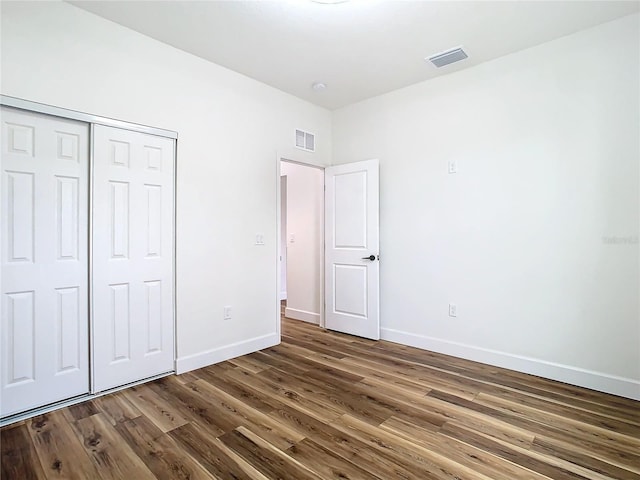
x: 323, y: 405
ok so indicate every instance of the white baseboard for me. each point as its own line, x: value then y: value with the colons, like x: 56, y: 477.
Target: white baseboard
x: 624, y: 387
x: 216, y: 355
x: 303, y: 315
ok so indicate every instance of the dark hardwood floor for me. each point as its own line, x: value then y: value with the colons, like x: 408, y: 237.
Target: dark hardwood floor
x: 323, y: 405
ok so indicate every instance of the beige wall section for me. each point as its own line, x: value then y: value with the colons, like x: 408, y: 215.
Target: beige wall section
x: 231, y: 129
x: 305, y: 217
x: 536, y: 237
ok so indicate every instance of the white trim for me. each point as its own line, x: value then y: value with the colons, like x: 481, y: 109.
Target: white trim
x: 278, y: 249
x: 83, y: 117
x: 92, y: 373
x: 624, y: 387
x: 174, y: 290
x: 303, y: 315
x: 216, y: 355
x: 305, y: 163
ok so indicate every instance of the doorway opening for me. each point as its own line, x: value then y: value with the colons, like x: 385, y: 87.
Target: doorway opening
x: 328, y: 246
x: 301, y: 245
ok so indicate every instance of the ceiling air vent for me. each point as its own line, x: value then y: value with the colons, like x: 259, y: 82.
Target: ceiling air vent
x: 305, y: 140
x: 445, y: 58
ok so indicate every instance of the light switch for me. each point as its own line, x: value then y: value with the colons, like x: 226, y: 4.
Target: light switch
x: 453, y: 166
x: 292, y: 238
x: 259, y: 239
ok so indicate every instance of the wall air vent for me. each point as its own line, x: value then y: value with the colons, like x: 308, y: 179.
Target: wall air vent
x: 305, y: 140
x: 448, y: 57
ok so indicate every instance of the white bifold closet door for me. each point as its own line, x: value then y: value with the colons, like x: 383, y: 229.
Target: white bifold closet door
x: 132, y: 279
x: 44, y: 196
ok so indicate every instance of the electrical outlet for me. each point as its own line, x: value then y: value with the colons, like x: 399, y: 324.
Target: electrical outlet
x: 227, y: 312
x: 453, y: 310
x: 259, y: 239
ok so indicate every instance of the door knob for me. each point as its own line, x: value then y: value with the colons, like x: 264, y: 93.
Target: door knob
x: 370, y: 257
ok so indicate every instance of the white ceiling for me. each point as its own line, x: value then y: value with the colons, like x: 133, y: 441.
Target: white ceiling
x: 359, y: 48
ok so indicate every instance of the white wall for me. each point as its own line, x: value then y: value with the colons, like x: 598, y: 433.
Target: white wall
x: 305, y: 218
x: 231, y: 129
x: 536, y: 237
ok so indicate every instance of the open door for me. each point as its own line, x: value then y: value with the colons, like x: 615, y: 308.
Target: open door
x: 352, y: 275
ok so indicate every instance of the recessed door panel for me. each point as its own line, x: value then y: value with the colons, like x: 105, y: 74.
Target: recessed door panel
x: 120, y: 153
x: 67, y: 218
x: 20, y: 138
x: 350, y: 290
x: 20, y: 198
x: 119, y: 210
x: 154, y: 316
x: 350, y: 218
x: 21, y: 328
x: 44, y: 231
x: 120, y: 323
x: 154, y: 157
x: 154, y: 219
x: 68, y: 329
x: 68, y: 146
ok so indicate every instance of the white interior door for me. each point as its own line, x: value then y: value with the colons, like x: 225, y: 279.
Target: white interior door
x: 132, y: 256
x: 45, y: 343
x: 351, y: 249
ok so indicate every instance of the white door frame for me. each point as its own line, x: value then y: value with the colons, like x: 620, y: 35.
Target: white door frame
x: 283, y: 234
x: 311, y: 164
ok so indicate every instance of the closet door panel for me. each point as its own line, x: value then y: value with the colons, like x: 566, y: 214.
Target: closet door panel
x: 132, y: 256
x: 44, y: 298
